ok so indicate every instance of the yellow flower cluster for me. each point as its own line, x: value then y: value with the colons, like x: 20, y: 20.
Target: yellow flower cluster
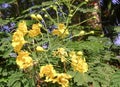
x: 35, y: 30
x: 61, y: 31
x: 61, y: 53
x: 77, y: 62
x: 22, y: 27
x: 62, y: 79
x: 47, y: 71
x: 52, y: 76
x: 24, y: 60
x: 18, y: 41
x: 18, y: 36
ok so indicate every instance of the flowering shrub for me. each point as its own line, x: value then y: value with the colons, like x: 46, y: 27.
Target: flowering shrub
x: 24, y: 48
x: 28, y: 44
x: 31, y: 55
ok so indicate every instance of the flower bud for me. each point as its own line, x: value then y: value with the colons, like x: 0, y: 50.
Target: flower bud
x: 51, y: 6
x: 80, y: 53
x: 45, y: 15
x: 43, y: 9
x: 33, y: 16
x: 39, y: 17
x: 102, y: 35
x: 70, y: 15
x: 94, y: 17
x: 92, y: 32
x: 82, y: 33
x: 71, y: 10
x: 40, y: 25
x: 56, y: 2
x: 54, y: 7
x: 86, y: 0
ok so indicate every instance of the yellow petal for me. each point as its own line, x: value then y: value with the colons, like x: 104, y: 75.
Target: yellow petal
x: 40, y: 49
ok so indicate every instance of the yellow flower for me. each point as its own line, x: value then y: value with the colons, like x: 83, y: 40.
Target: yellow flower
x: 40, y: 49
x: 47, y: 71
x: 22, y: 27
x: 79, y: 53
x: 24, y: 60
x: 61, y: 31
x: 35, y: 30
x: 61, y: 53
x: 18, y: 41
x: 72, y: 54
x: 33, y: 33
x: 62, y: 79
x: 78, y: 63
x: 63, y: 59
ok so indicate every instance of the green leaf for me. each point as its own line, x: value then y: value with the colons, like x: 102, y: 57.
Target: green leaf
x: 78, y: 77
x: 7, y: 53
x: 13, y: 78
x: 3, y: 22
x: 17, y: 84
x: 72, y: 73
x: 96, y: 84
x: 48, y: 3
x: 117, y: 28
x: 27, y: 85
x: 3, y: 80
x: 4, y: 73
x: 115, y: 80
x: 6, y: 1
